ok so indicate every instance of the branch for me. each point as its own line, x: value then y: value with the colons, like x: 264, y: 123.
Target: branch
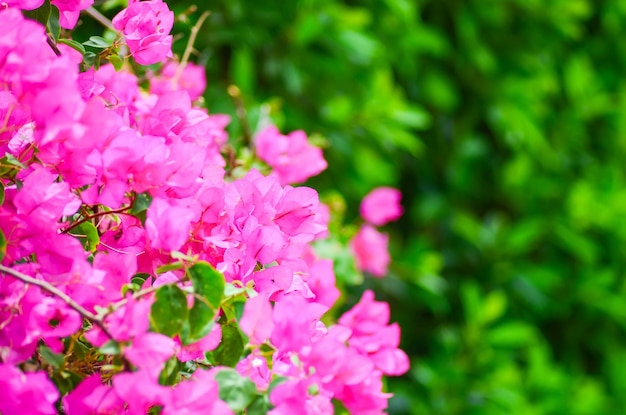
x: 59, y: 294
x: 97, y: 215
x: 192, y: 39
x: 102, y: 19
x: 114, y: 307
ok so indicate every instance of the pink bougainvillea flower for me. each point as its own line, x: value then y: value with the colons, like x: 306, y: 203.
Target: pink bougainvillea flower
x: 192, y: 79
x: 70, y: 11
x: 43, y: 201
x: 370, y: 249
x: 92, y: 397
x: 291, y: 157
x: 256, y: 321
x: 381, y: 205
x: 26, y: 393
x: 146, y: 26
x: 254, y: 366
x: 198, y: 395
x: 167, y: 224
x: 149, y: 351
x: 373, y: 337
x: 23, y: 4
x: 140, y: 390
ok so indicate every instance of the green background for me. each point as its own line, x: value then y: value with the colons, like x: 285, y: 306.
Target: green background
x: 503, y: 122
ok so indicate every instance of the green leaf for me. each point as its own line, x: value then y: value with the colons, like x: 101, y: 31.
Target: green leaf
x: 169, y: 311
x: 41, y: 14
x: 208, y: 286
x: 116, y: 61
x: 1, y: 194
x: 237, y: 391
x: 73, y: 44
x: 88, y: 236
x: 89, y: 59
x: 230, y: 348
x: 260, y: 406
x: 53, y: 23
x: 9, y: 166
x: 170, y: 375
x: 139, y: 278
x: 3, y: 245
x: 56, y: 360
x: 97, y: 42
x: 111, y: 347
x: 169, y: 267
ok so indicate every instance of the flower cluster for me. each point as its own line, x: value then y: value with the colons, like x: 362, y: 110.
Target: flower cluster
x: 135, y: 270
x: 370, y: 247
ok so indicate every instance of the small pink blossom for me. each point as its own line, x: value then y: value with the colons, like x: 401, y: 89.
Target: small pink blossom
x: 291, y: 156
x: 92, y: 397
x: 256, y: 321
x: 370, y: 249
x: 26, y: 393
x: 381, y: 205
x: 146, y: 26
x: 70, y: 11
x: 192, y: 79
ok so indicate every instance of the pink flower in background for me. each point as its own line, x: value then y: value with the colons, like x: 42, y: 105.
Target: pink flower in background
x: 370, y: 250
x: 291, y: 156
x: 192, y: 79
x: 70, y: 11
x: 146, y: 26
x: 381, y: 205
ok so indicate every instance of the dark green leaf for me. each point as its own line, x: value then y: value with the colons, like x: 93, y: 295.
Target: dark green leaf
x: 208, y: 286
x: 170, y: 375
x: 56, y: 360
x: 41, y: 14
x: 237, y: 391
x: 230, y: 349
x: 1, y: 194
x: 53, y: 23
x: 260, y: 406
x: 74, y: 45
x: 169, y: 310
x: 89, y: 59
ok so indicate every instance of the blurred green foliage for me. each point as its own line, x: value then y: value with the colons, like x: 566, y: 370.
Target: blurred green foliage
x: 503, y: 122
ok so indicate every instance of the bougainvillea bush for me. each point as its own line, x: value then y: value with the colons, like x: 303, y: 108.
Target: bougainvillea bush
x: 148, y: 265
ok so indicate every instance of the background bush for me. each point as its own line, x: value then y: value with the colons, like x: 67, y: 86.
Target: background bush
x: 504, y: 125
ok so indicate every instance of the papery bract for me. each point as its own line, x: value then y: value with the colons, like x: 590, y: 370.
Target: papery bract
x: 26, y: 393
x: 291, y: 157
x: 381, y: 206
x: 371, y: 251
x: 146, y: 26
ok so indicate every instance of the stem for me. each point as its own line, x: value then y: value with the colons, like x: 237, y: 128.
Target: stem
x: 102, y: 19
x: 97, y: 215
x: 242, y: 115
x: 114, y: 307
x: 59, y: 294
x: 192, y: 39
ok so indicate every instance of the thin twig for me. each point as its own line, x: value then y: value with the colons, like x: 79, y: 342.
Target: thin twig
x: 59, y: 294
x: 102, y: 19
x: 192, y: 39
x: 97, y: 215
x: 242, y: 114
x: 114, y: 307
